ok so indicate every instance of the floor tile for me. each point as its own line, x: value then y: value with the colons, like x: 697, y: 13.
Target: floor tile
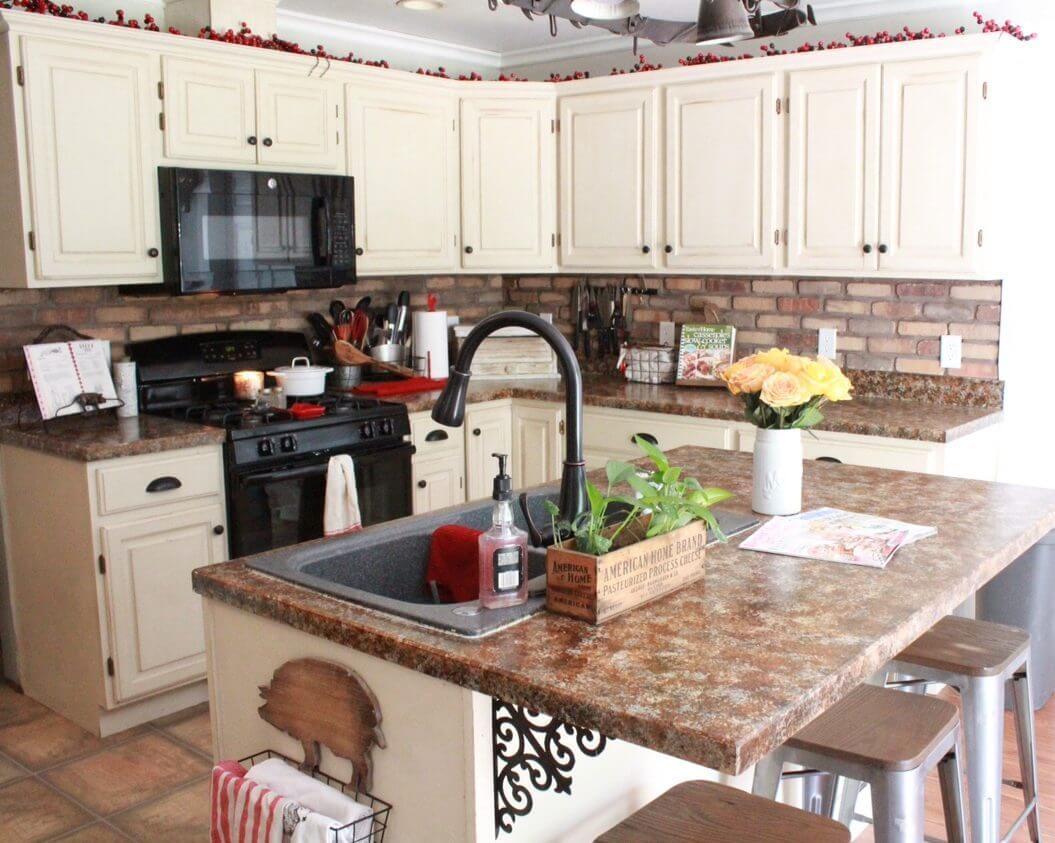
x: 194, y: 728
x: 128, y: 774
x: 30, y: 811
x: 9, y: 771
x: 98, y: 833
x: 181, y: 816
x: 16, y: 707
x: 45, y: 739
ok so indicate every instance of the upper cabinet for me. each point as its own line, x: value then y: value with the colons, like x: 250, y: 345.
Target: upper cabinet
x: 509, y: 178
x: 403, y: 153
x: 608, y: 175
x: 231, y: 114
x: 90, y: 118
x: 722, y: 164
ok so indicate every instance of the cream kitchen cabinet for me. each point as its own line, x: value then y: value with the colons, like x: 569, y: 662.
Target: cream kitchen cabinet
x: 438, y: 466
x: 608, y: 174
x: 232, y: 114
x: 488, y: 430
x: 107, y: 630
x: 403, y: 153
x: 509, y: 178
x: 723, y: 166
x: 538, y: 442
x: 610, y: 434
x: 89, y: 142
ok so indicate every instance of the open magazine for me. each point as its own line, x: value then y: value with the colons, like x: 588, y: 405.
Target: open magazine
x: 834, y: 535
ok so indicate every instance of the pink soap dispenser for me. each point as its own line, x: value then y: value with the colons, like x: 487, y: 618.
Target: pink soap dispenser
x: 503, y: 550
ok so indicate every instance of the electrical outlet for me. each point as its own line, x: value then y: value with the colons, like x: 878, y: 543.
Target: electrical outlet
x: 666, y: 333
x: 826, y: 342
x: 951, y: 351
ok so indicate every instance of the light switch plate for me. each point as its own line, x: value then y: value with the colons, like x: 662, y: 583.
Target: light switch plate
x: 667, y: 332
x: 951, y: 351
x: 827, y: 339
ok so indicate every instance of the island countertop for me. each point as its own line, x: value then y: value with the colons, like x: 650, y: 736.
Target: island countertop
x: 724, y: 670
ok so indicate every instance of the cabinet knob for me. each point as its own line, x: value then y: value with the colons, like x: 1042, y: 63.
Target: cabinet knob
x: 468, y: 250
x: 359, y: 251
x: 668, y: 248
x: 647, y: 437
x: 251, y: 140
x: 267, y: 141
x: 218, y: 529
x: 476, y: 431
x: 868, y: 248
x: 646, y: 249
x: 882, y: 248
x: 422, y: 484
x: 152, y: 253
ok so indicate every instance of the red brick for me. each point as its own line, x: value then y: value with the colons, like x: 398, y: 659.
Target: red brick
x: 799, y: 304
x: 754, y: 303
x: 821, y: 288
x: 773, y: 287
x: 923, y: 290
x: 727, y: 285
x: 974, y: 369
x: 856, y: 360
x: 891, y: 345
x: 869, y: 289
x: 683, y: 284
x: 844, y: 306
x: 977, y: 292
x: 915, y: 366
x: 896, y: 309
x: 988, y: 313
x: 948, y: 310
x: 871, y: 327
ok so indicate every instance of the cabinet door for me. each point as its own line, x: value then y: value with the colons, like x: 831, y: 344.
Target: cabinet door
x: 929, y: 194
x: 403, y: 153
x: 156, y: 633
x: 91, y: 119
x: 721, y: 173
x: 487, y: 431
x: 833, y: 168
x: 509, y: 179
x: 538, y: 444
x: 209, y: 111
x: 438, y: 483
x: 298, y: 121
x: 608, y: 179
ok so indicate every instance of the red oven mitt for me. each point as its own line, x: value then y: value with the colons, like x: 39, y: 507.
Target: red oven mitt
x: 454, y: 564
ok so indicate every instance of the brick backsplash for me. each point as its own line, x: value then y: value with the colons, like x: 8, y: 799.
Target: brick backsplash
x: 883, y: 325
x: 887, y: 326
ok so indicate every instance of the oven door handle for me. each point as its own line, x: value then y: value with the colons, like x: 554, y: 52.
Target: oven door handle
x: 286, y: 474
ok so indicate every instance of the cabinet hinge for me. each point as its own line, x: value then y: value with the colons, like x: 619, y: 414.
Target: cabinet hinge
x: 461, y: 482
x: 787, y: 106
x: 20, y: 75
x: 780, y: 106
x: 558, y: 238
x: 553, y: 240
x: 102, y: 564
x: 109, y: 666
x: 985, y: 90
x: 454, y: 126
x: 161, y: 121
x: 979, y: 237
x: 32, y: 242
x: 560, y: 427
x: 161, y: 90
x: 776, y: 237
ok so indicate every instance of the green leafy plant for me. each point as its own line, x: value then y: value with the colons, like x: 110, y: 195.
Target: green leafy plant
x: 662, y: 501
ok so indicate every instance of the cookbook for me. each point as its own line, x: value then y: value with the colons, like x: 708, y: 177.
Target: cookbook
x: 61, y: 372
x: 834, y: 535
x: 704, y: 351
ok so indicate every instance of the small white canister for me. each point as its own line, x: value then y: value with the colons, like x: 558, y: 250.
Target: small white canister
x: 125, y: 384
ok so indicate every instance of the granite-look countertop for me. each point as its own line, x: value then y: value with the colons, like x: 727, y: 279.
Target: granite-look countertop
x: 870, y: 416
x: 724, y: 670
x: 105, y: 436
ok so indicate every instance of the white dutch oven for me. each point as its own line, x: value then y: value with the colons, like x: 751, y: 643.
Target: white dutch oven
x: 301, y: 377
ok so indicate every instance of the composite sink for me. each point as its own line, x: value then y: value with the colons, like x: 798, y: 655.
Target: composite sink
x: 384, y: 567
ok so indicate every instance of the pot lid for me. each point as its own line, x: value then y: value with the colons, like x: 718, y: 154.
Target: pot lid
x: 297, y: 368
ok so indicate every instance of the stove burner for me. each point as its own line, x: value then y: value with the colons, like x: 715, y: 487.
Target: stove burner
x: 254, y: 417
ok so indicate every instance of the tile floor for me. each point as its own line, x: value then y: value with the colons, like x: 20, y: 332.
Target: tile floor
x: 58, y: 782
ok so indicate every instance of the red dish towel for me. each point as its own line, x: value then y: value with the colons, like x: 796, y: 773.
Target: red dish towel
x: 381, y: 389
x: 454, y: 563
x: 244, y: 811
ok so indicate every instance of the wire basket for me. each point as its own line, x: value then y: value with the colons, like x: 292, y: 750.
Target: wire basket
x: 376, y: 822
x: 651, y: 364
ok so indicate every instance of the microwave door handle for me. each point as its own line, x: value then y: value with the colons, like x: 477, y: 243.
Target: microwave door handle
x: 320, y: 232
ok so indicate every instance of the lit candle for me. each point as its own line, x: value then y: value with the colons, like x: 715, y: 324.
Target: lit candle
x: 247, y: 385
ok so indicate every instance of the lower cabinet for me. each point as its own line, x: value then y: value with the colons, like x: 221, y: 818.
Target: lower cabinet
x: 439, y: 482
x: 488, y: 431
x: 610, y: 434
x: 538, y: 443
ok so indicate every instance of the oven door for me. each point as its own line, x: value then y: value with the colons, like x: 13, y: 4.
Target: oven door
x: 276, y: 507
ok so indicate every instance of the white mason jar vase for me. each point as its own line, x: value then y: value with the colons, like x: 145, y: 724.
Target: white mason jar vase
x: 777, y: 475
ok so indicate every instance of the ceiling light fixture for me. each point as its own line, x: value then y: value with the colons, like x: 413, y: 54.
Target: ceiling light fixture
x: 721, y: 21
x: 605, y: 9
x: 421, y: 5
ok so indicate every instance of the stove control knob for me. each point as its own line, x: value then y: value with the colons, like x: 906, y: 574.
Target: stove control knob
x: 385, y: 426
x: 289, y: 444
x: 265, y: 447
x: 367, y: 430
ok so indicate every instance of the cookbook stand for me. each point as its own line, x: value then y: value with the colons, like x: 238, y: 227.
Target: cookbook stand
x: 88, y: 403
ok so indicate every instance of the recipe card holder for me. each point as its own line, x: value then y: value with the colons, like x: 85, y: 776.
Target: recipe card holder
x: 320, y: 703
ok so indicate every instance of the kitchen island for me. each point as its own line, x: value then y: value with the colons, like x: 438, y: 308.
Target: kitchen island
x: 716, y: 675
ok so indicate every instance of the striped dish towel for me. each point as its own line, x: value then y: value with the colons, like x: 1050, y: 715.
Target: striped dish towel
x: 244, y: 811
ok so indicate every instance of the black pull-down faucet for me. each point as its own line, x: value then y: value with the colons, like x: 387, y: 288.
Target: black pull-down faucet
x: 450, y: 408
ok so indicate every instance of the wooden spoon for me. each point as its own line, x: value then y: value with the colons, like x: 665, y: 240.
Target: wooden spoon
x: 348, y: 355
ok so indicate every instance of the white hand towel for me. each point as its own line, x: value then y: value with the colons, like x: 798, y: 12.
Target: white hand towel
x: 316, y: 828
x: 341, y: 513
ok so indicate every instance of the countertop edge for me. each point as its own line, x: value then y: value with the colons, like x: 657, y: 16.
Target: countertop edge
x: 57, y: 445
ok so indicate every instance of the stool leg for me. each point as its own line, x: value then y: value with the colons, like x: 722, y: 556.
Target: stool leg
x: 897, y: 807
x: 983, y: 722
x: 1027, y: 747
x: 952, y: 796
x: 818, y: 793
x: 844, y: 802
x: 767, y: 775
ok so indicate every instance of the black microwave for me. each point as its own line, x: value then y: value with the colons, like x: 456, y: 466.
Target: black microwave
x: 227, y: 231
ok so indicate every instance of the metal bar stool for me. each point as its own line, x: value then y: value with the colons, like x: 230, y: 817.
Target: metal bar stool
x: 890, y: 741
x: 705, y: 812
x: 978, y: 659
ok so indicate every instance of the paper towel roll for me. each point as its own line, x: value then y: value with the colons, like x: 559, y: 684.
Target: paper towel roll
x: 125, y: 384
x: 430, y: 343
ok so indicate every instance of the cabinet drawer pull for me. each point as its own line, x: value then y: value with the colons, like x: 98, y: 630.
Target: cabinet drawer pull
x: 648, y: 437
x: 422, y: 484
x: 868, y: 248
x: 251, y: 140
x: 882, y: 248
x: 829, y: 459
x: 646, y: 249
x: 163, y: 484
x: 218, y: 529
x: 152, y: 253
x: 477, y: 431
x: 437, y: 436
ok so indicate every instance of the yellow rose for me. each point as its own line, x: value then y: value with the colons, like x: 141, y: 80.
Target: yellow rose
x: 775, y: 357
x: 747, y: 376
x: 823, y: 377
x: 783, y: 389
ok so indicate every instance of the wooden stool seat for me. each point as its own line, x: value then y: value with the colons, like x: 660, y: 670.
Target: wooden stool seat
x: 705, y: 812
x: 967, y: 647
x: 879, y: 728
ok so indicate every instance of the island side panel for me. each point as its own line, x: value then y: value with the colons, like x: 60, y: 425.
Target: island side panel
x: 426, y: 770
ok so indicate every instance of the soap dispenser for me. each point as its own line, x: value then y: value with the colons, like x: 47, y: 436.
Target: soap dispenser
x: 503, y: 549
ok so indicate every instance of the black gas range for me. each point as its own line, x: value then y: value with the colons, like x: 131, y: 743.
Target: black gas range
x: 275, y: 464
